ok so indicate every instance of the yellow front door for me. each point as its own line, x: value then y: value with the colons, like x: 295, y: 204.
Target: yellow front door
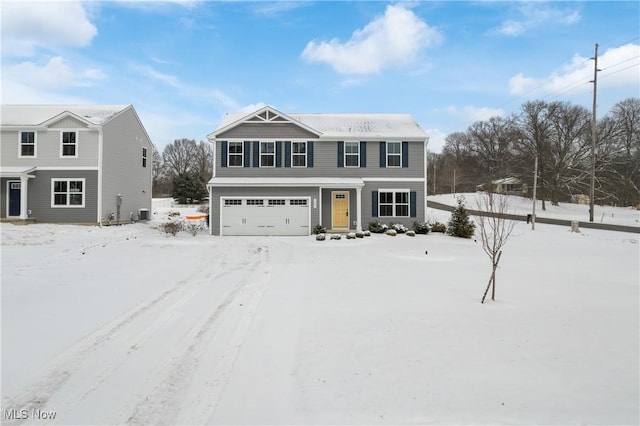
x: 340, y: 209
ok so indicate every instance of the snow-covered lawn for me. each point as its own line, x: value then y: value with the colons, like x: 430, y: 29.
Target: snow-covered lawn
x: 580, y: 212
x: 123, y: 324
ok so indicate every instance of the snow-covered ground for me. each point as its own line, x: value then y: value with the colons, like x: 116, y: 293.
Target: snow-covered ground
x: 124, y: 325
x: 580, y: 212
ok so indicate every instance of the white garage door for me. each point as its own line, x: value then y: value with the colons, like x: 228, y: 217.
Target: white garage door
x: 264, y: 216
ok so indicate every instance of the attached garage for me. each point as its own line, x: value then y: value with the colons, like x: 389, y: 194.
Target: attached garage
x: 265, y: 215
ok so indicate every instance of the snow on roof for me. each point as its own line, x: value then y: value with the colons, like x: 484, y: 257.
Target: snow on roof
x: 347, y: 125
x: 33, y: 115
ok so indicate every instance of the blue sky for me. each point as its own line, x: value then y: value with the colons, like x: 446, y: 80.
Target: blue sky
x: 184, y: 64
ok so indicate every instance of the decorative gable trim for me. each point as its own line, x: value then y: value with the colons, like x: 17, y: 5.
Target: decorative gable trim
x: 265, y: 115
x: 67, y: 114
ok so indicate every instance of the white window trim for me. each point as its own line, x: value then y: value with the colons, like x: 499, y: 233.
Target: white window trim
x: 67, y: 206
x: 77, y: 144
x: 394, y: 154
x: 267, y: 153
x: 35, y: 144
x: 306, y: 153
x: 229, y: 154
x: 345, y: 154
x: 393, y: 202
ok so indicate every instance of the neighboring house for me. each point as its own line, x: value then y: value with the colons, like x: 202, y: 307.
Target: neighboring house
x: 283, y: 174
x: 509, y: 186
x: 74, y: 164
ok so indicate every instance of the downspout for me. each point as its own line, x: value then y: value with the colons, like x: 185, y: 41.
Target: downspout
x: 213, y: 174
x: 426, y: 176
x: 100, y: 147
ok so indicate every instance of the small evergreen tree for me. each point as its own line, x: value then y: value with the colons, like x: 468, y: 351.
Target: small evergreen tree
x: 460, y: 225
x: 189, y: 187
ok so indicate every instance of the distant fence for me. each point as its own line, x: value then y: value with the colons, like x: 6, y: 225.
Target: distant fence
x: 158, y: 204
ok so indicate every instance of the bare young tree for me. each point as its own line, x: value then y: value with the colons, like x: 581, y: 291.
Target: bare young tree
x: 495, y: 229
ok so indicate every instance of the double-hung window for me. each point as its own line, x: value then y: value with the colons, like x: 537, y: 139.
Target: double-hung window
x: 67, y: 192
x: 394, y: 154
x: 299, y: 154
x: 27, y: 144
x: 236, y: 154
x: 267, y: 154
x: 352, y: 154
x: 68, y: 144
x: 394, y: 204
x: 144, y: 157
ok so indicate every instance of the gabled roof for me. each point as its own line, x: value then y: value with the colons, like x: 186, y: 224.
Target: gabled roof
x: 334, y: 126
x: 36, y: 115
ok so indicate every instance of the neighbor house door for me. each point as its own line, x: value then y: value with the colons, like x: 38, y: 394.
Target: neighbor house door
x: 13, y: 199
x: 339, y: 209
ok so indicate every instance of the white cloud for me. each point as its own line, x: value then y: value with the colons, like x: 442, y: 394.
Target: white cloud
x: 533, y: 15
x: 154, y: 74
x: 436, y: 139
x: 472, y: 113
x: 621, y: 63
x: 393, y: 39
x: 56, y: 74
x: 28, y: 25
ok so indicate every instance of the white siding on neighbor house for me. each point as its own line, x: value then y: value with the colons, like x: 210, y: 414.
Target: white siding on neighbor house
x: 123, y: 173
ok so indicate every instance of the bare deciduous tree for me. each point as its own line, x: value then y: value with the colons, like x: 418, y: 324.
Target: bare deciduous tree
x: 495, y: 229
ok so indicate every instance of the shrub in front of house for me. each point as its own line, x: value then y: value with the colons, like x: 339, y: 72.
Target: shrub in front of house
x: 319, y: 229
x: 377, y: 227
x: 172, y: 227
x: 438, y: 227
x: 421, y: 227
x: 321, y: 237
x: 410, y: 234
x: 360, y: 234
x: 336, y: 237
x: 460, y: 224
x: 391, y: 232
x: 351, y: 236
x: 399, y: 228
x: 203, y: 208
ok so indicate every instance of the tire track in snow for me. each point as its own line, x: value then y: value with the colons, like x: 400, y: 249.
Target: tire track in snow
x: 192, y: 388
x: 73, y: 360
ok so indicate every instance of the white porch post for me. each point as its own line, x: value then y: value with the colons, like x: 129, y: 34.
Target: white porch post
x: 23, y: 196
x: 359, y: 208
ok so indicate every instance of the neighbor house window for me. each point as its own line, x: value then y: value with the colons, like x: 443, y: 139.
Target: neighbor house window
x: 394, y: 154
x: 299, y: 154
x: 394, y: 203
x: 69, y: 144
x: 267, y: 154
x: 236, y: 154
x: 67, y: 192
x: 144, y: 157
x: 27, y: 144
x: 352, y: 154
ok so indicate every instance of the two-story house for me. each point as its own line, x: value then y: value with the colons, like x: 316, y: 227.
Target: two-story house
x: 282, y: 174
x: 74, y: 164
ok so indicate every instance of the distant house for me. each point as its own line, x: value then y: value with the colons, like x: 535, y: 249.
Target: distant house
x: 580, y: 199
x: 74, y: 164
x: 508, y: 186
x: 282, y: 174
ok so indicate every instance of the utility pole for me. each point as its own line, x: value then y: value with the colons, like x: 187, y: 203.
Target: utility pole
x: 454, y: 183
x: 535, y: 185
x: 593, y: 135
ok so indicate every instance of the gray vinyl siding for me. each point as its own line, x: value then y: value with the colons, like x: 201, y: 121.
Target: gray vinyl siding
x: 123, y: 140
x: 371, y: 186
x: 266, y: 131
x: 48, y: 149
x: 68, y: 123
x: 39, y: 197
x: 261, y: 192
x: 325, y: 163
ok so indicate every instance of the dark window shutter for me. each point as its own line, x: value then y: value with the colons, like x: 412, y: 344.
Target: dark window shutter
x: 287, y: 154
x: 340, y: 154
x: 374, y: 203
x: 278, y: 154
x: 247, y: 154
x: 412, y: 203
x: 405, y: 154
x: 223, y: 154
x: 383, y: 154
x: 310, y: 154
x: 363, y: 154
x: 256, y: 154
